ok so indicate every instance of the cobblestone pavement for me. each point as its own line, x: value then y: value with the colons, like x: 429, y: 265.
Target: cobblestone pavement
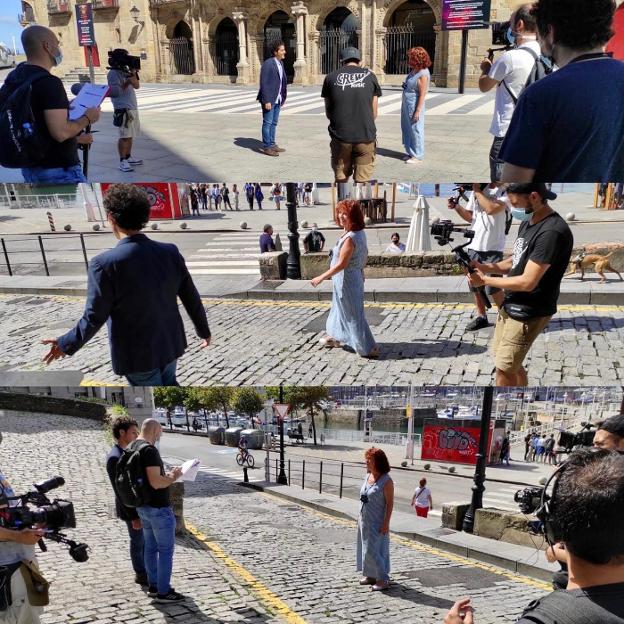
x: 262, y: 560
x: 268, y: 342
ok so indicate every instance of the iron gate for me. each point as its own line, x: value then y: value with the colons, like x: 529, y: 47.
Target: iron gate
x: 287, y: 35
x: 181, y: 59
x: 227, y: 54
x: 331, y: 43
x: 398, y: 40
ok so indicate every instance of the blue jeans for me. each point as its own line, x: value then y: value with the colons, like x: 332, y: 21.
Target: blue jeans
x: 137, y: 545
x: 57, y: 175
x: 269, y: 124
x: 159, y: 533
x: 165, y: 376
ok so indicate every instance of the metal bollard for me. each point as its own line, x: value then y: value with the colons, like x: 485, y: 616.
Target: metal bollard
x: 321, y: 478
x: 341, y: 476
x: 289, y: 472
x: 245, y: 475
x: 51, y: 221
x: 303, y: 475
x: 84, y: 251
x: 45, y: 261
x: 6, y: 257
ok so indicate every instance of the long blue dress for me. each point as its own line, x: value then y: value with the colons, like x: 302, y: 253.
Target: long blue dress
x: 346, y: 321
x: 413, y: 133
x: 373, y: 548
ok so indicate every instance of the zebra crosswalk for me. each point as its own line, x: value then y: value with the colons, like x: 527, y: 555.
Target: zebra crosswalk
x: 222, y: 474
x: 160, y: 98
x: 228, y: 253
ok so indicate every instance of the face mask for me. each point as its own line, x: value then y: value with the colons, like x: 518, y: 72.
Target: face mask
x: 520, y: 214
x: 510, y: 36
x: 157, y: 444
x: 58, y: 57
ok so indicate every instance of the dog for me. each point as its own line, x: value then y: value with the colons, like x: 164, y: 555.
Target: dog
x: 601, y: 264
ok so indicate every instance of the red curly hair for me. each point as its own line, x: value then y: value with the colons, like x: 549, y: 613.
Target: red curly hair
x: 352, y: 211
x: 418, y: 58
x: 379, y: 459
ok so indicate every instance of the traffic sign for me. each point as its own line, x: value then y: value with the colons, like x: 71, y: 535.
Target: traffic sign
x: 281, y: 409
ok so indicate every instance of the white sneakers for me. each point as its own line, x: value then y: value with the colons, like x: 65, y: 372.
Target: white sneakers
x: 135, y: 161
x: 124, y: 165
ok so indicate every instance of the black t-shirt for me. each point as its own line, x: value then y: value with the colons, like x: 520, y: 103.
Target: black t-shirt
x: 151, y: 457
x: 548, y: 242
x: 602, y: 604
x: 349, y: 93
x: 48, y: 93
x: 314, y: 240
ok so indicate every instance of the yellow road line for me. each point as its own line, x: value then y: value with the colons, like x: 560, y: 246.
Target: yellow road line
x: 437, y: 552
x: 261, y: 590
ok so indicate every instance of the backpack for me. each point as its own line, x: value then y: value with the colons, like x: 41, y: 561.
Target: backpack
x: 315, y: 241
x: 508, y: 221
x: 21, y: 143
x: 131, y: 483
x: 541, y: 67
x: 559, y: 607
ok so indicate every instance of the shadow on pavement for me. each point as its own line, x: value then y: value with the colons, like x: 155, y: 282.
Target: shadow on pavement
x: 421, y: 348
x: 582, y: 323
x: 253, y: 145
x: 388, y: 153
x: 189, y: 611
x: 404, y: 592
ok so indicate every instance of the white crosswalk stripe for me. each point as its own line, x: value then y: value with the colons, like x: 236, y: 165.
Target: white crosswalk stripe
x: 236, y: 475
x: 234, y: 100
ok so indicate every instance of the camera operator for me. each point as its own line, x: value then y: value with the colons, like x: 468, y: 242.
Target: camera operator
x: 610, y: 434
x: 586, y: 514
x: 123, y: 81
x: 487, y: 214
x: 541, y: 254
x: 16, y: 547
x: 508, y: 74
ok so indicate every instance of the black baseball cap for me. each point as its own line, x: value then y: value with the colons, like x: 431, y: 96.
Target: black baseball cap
x: 350, y: 54
x: 526, y: 188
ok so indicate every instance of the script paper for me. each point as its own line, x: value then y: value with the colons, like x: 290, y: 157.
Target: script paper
x: 90, y: 96
x: 190, y: 469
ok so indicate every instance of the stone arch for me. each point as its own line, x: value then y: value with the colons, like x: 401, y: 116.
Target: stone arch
x: 390, y: 6
x: 280, y: 25
x: 181, y: 48
x: 318, y: 20
x: 172, y: 21
x: 226, y: 51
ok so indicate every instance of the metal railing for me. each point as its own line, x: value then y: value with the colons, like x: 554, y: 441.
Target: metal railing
x: 181, y: 58
x: 331, y: 43
x: 227, y: 53
x: 58, y: 6
x: 60, y: 200
x: 398, y: 40
x: 101, y: 4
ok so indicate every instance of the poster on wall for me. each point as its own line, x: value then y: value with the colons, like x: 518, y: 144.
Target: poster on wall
x: 452, y: 443
x: 86, y: 30
x: 163, y: 198
x: 465, y: 14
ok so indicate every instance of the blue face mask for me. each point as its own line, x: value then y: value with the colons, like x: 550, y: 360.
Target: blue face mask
x: 518, y: 213
x: 58, y: 58
x: 510, y: 36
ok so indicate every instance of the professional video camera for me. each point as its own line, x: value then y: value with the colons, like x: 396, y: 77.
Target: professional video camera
x: 121, y: 60
x: 585, y: 437
x: 55, y: 515
x: 460, y: 189
x: 529, y: 499
x: 499, y: 38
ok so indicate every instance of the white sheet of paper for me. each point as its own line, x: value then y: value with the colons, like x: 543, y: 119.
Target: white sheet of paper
x: 90, y: 96
x: 190, y: 469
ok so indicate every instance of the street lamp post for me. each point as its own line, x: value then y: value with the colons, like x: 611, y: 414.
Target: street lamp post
x: 282, y: 479
x: 293, y: 267
x: 479, y: 475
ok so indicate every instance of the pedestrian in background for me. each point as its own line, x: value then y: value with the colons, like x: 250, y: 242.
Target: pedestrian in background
x: 422, y: 501
x: 266, y: 239
x: 276, y: 193
x: 194, y: 201
x: 373, y: 533
x: 396, y: 246
x: 225, y: 194
x: 259, y: 195
x: 314, y: 240
x: 346, y: 322
x: 125, y: 430
x: 415, y: 90
x: 250, y: 194
x: 504, y: 452
x: 272, y: 96
x: 236, y: 193
x: 549, y: 447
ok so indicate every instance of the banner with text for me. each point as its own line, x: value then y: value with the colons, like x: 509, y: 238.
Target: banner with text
x: 465, y: 14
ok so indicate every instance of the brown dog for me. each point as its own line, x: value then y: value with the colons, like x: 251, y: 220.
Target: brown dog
x: 585, y: 260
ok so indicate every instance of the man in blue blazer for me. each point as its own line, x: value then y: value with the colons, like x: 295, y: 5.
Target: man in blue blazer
x: 272, y: 95
x: 134, y: 289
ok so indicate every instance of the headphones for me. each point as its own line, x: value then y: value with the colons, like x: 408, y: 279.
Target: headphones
x: 550, y: 527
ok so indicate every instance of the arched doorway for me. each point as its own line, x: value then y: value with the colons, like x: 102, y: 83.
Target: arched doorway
x: 226, y: 48
x: 339, y: 31
x: 279, y: 27
x: 181, y: 57
x: 410, y: 25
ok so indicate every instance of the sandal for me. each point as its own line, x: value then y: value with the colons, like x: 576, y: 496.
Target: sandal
x: 368, y: 580
x: 329, y: 342
x: 381, y: 586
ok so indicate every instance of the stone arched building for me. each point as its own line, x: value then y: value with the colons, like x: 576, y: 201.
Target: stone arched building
x: 227, y: 40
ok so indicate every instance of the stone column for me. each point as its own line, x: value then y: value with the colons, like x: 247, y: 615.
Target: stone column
x: 299, y: 10
x: 364, y: 33
x: 240, y: 19
x: 313, y: 54
x: 379, y: 62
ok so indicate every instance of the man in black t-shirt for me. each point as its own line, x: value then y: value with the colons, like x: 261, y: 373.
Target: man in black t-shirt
x: 541, y: 254
x: 59, y: 164
x: 351, y: 94
x: 314, y: 241
x: 585, y: 513
x: 125, y: 431
x: 157, y: 515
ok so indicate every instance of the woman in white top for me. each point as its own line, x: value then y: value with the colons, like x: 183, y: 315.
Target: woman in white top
x: 396, y: 246
x: 422, y: 501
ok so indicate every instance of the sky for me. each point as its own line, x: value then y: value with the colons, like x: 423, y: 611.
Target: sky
x: 9, y: 26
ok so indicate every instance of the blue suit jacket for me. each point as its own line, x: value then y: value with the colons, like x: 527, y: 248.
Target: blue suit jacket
x: 270, y: 86
x: 133, y: 288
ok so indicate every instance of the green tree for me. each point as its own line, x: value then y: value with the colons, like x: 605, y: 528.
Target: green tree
x: 214, y: 398
x: 248, y: 401
x: 310, y: 399
x: 168, y: 397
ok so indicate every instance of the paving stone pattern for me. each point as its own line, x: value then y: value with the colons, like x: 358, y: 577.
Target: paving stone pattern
x: 268, y: 342
x: 303, y: 557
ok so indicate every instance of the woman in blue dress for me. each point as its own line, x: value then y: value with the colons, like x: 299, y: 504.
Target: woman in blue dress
x: 415, y: 90
x: 373, y: 532
x: 346, y: 324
